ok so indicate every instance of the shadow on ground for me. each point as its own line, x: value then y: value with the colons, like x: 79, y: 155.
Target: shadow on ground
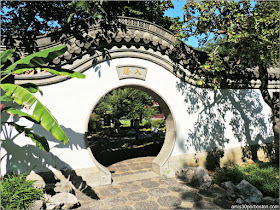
x: 118, y: 147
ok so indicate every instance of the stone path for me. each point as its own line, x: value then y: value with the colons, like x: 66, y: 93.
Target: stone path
x: 153, y: 193
x: 131, y: 166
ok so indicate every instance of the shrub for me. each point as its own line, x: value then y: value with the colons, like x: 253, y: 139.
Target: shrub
x: 158, y: 123
x: 264, y: 176
x: 227, y: 174
x: 148, y: 125
x: 95, y: 122
x: 17, y: 193
x: 125, y: 123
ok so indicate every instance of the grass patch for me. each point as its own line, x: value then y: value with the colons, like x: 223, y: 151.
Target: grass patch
x: 264, y: 176
x: 125, y: 123
x: 17, y: 193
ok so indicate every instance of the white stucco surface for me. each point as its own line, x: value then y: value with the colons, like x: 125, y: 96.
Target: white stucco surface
x: 202, y: 120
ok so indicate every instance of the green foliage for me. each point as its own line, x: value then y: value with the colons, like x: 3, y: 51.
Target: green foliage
x: 36, y: 59
x: 246, y: 35
x: 158, y: 123
x: 246, y: 38
x: 225, y: 174
x: 126, y: 102
x: 125, y: 123
x: 95, y: 122
x: 17, y: 193
x: 148, y: 124
x: 152, y: 11
x: 264, y: 176
x: 27, y: 20
x: 22, y: 95
x: 41, y: 114
x: 95, y: 117
x: 6, y: 55
x: 40, y: 141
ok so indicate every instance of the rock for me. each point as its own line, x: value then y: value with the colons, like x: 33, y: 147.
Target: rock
x: 204, y: 205
x: 196, y: 177
x: 63, y: 186
x: 250, y: 193
x: 186, y: 174
x: 223, y: 202
x: 37, y: 205
x: 39, y: 181
x: 204, y: 180
x: 45, y: 198
x: 229, y: 187
x: 268, y: 201
x: 64, y: 200
x: 50, y: 206
x: 239, y: 201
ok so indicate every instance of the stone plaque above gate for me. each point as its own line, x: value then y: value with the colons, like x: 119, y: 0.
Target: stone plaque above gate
x: 136, y: 72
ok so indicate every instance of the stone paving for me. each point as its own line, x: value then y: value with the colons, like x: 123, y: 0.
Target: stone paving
x: 152, y: 193
x: 131, y: 166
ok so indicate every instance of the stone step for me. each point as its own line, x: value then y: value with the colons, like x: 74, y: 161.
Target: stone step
x: 134, y: 177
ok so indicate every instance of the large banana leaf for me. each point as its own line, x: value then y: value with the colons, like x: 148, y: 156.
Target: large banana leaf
x: 41, y: 114
x: 64, y: 72
x: 6, y: 98
x: 54, y: 71
x: 6, y: 55
x: 32, y: 88
x: 41, y: 141
x: 13, y: 111
x: 36, y: 59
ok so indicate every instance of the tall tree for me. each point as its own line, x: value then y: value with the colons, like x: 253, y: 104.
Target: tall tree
x: 248, y: 37
x: 126, y: 102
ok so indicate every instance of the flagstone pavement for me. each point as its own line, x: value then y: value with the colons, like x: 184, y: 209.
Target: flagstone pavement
x: 155, y: 192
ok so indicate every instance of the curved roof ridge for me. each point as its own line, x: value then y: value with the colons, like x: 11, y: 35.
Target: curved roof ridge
x: 151, y: 42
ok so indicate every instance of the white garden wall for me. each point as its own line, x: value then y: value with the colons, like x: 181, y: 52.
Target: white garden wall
x: 203, y: 119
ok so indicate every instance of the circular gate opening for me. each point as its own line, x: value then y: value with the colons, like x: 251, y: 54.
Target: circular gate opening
x: 126, y: 131
x: 131, y: 130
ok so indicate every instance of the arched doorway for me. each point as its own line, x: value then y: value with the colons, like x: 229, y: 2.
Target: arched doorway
x: 160, y: 162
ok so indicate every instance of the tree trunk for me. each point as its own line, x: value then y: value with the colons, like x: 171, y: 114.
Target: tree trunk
x: 254, y: 151
x: 273, y: 103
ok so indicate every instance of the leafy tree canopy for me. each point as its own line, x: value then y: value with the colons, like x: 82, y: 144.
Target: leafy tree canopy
x: 250, y: 32
x: 246, y: 35
x: 28, y: 19
x: 126, y: 102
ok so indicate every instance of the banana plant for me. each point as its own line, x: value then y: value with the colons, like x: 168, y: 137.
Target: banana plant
x: 23, y: 94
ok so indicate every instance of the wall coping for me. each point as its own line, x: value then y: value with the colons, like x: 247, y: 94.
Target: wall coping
x: 140, y: 39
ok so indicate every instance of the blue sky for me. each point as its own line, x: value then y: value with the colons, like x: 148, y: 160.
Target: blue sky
x: 178, y: 12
